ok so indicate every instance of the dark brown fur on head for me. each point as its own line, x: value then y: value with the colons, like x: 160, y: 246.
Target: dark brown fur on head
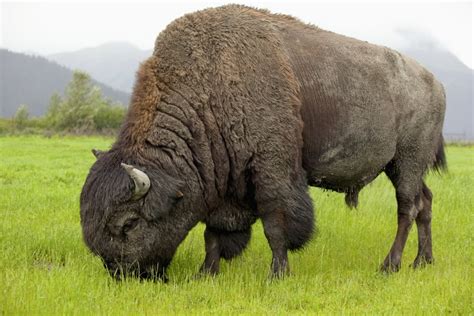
x: 111, y: 218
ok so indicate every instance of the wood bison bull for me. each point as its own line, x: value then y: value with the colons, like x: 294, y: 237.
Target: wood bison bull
x: 236, y: 112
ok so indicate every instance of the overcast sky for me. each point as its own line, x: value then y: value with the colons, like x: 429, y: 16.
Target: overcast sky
x: 47, y: 28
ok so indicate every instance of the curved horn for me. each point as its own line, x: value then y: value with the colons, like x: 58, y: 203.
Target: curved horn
x: 141, y: 180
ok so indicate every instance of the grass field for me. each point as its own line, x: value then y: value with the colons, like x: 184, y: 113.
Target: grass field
x: 45, y: 267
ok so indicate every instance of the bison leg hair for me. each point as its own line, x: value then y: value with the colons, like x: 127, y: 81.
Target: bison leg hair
x: 288, y: 224
x: 423, y: 223
x: 222, y: 244
x: 233, y: 243
x: 352, y: 198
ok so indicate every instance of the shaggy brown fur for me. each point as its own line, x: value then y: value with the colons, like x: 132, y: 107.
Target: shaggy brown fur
x: 217, y: 113
x: 142, y: 112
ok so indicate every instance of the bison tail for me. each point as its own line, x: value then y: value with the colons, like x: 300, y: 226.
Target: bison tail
x: 440, y: 164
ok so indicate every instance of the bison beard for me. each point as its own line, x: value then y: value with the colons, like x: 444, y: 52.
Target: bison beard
x: 233, y: 115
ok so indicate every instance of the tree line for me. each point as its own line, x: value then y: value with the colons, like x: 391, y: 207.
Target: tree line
x: 81, y: 110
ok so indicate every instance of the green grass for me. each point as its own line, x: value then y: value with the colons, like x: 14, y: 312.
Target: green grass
x: 45, y: 267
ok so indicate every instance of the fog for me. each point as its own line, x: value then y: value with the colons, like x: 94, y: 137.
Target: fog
x: 47, y: 28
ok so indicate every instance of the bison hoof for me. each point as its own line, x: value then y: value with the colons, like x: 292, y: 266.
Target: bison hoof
x: 279, y: 271
x: 422, y: 261
x: 206, y: 272
x: 203, y: 274
x: 276, y: 276
x: 390, y: 267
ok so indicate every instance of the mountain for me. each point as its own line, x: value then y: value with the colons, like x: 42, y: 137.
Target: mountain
x: 112, y: 63
x: 31, y: 80
x: 457, y: 78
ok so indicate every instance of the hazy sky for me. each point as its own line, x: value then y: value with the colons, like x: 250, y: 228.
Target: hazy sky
x: 45, y: 27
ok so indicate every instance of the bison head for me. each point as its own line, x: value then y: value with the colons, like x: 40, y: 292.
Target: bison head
x: 128, y: 215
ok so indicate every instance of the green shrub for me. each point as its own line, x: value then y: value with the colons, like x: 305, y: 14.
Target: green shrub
x: 82, y: 110
x: 109, y: 117
x: 20, y: 119
x: 6, y: 126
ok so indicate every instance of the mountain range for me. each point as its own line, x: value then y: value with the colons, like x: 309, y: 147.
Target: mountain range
x: 31, y: 80
x: 113, y: 65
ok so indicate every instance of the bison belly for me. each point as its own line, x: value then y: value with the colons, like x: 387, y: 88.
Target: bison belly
x: 356, y: 99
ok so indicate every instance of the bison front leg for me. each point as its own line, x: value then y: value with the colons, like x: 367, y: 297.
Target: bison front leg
x: 287, y: 216
x: 213, y: 253
x: 274, y: 228
x: 222, y: 244
x: 288, y: 224
x: 281, y: 197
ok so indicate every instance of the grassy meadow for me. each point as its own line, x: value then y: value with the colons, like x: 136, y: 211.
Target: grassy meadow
x: 46, y: 269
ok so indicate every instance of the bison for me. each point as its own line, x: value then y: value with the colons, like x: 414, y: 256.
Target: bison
x: 235, y: 113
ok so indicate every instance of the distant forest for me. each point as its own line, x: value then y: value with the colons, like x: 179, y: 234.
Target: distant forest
x: 81, y: 109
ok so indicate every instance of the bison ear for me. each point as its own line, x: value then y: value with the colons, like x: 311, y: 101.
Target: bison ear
x: 167, y: 192
x: 97, y: 153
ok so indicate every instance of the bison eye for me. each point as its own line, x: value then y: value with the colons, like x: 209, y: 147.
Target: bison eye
x: 130, y: 224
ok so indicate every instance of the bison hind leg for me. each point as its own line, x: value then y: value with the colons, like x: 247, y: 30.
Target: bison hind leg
x: 423, y: 222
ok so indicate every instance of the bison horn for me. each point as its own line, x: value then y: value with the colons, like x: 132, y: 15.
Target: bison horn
x: 141, y: 180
